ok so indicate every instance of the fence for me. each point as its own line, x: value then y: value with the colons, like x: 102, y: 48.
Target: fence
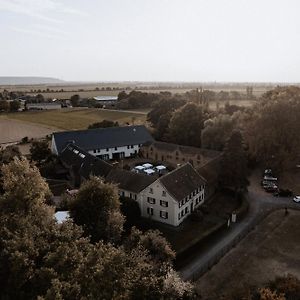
x: 224, y: 250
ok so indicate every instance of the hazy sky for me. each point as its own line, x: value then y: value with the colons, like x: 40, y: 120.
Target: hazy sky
x: 151, y: 40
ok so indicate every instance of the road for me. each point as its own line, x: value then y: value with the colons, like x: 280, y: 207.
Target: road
x: 260, y: 204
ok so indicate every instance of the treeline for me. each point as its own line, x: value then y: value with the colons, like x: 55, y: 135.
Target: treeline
x: 270, y: 128
x: 137, y: 99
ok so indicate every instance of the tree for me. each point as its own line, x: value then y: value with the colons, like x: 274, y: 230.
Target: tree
x: 131, y: 211
x: 272, y: 129
x: 152, y: 240
x: 75, y: 100
x: 14, y: 105
x: 122, y: 95
x: 4, y: 105
x: 24, y: 188
x: 39, y: 151
x: 186, y: 125
x: 92, y: 208
x: 234, y: 164
x: 104, y: 124
x: 217, y: 131
x: 42, y: 259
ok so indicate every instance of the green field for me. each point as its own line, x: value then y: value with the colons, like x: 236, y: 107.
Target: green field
x: 69, y: 119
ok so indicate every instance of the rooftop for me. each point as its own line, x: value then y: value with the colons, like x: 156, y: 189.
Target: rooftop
x: 102, y: 138
x: 182, y: 181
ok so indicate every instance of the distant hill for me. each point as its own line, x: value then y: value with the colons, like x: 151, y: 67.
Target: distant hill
x: 12, y: 80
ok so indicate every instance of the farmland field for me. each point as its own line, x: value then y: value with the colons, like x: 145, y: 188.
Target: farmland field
x: 12, y: 131
x: 69, y: 119
x: 272, y: 249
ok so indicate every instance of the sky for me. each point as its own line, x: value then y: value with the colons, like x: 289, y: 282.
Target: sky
x: 151, y: 40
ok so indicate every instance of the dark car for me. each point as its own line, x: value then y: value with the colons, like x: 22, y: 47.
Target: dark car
x: 271, y: 189
x: 283, y: 193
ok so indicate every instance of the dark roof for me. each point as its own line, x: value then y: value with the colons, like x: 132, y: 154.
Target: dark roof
x: 182, y: 181
x: 87, y: 164
x: 102, y: 138
x: 163, y: 146
x: 129, y: 181
x: 97, y: 167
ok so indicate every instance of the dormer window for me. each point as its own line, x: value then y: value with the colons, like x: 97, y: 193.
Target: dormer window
x: 164, y: 193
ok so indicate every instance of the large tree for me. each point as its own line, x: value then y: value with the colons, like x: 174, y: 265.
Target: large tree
x: 217, y: 131
x: 234, y: 164
x: 186, y: 125
x: 96, y: 207
x: 272, y: 130
x: 40, y: 150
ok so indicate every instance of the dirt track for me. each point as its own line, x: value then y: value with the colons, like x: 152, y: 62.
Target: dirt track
x: 13, y: 131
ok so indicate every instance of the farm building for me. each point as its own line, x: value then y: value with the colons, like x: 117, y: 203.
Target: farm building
x: 178, y: 154
x: 168, y: 199
x: 104, y: 143
x: 43, y: 106
x: 106, y: 100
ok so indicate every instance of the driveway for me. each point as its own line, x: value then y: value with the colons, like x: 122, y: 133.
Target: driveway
x: 260, y: 205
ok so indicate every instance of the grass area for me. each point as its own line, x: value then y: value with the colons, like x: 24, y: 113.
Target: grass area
x: 271, y: 250
x: 69, y: 119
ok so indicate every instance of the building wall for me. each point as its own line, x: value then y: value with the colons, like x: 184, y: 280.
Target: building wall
x: 173, y: 157
x: 53, y: 146
x: 109, y: 153
x: 155, y: 191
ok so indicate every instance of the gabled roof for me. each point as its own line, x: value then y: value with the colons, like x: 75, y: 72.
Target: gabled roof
x: 129, y: 181
x: 102, y: 138
x: 86, y: 163
x: 182, y: 181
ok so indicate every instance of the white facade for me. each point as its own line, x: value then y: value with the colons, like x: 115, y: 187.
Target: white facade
x: 116, y: 152
x: 157, y: 204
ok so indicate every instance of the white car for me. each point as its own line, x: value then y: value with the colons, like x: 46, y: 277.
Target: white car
x: 296, y: 199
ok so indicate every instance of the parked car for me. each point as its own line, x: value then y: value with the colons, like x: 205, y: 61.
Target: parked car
x: 271, y: 188
x: 296, y: 199
x: 268, y: 172
x: 283, y: 193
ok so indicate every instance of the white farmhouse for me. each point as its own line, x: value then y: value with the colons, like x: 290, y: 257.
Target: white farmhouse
x: 174, y: 196
x: 104, y: 143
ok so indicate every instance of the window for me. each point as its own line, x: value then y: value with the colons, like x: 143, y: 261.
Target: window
x: 163, y: 214
x: 107, y: 149
x: 94, y: 151
x: 131, y: 146
x: 179, y: 204
x: 186, y: 210
x: 123, y: 194
x: 164, y: 193
x: 151, y: 200
x: 116, y: 148
x: 150, y: 211
x: 182, y: 213
x: 128, y: 147
x: 179, y: 216
x: 135, y: 197
x: 130, y: 196
x: 190, y: 196
x: 163, y: 203
x: 151, y: 190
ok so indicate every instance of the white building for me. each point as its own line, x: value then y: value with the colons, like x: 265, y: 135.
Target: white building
x: 168, y: 199
x: 43, y: 106
x: 104, y: 143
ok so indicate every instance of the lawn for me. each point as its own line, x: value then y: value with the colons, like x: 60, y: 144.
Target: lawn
x: 70, y: 119
x: 271, y: 250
